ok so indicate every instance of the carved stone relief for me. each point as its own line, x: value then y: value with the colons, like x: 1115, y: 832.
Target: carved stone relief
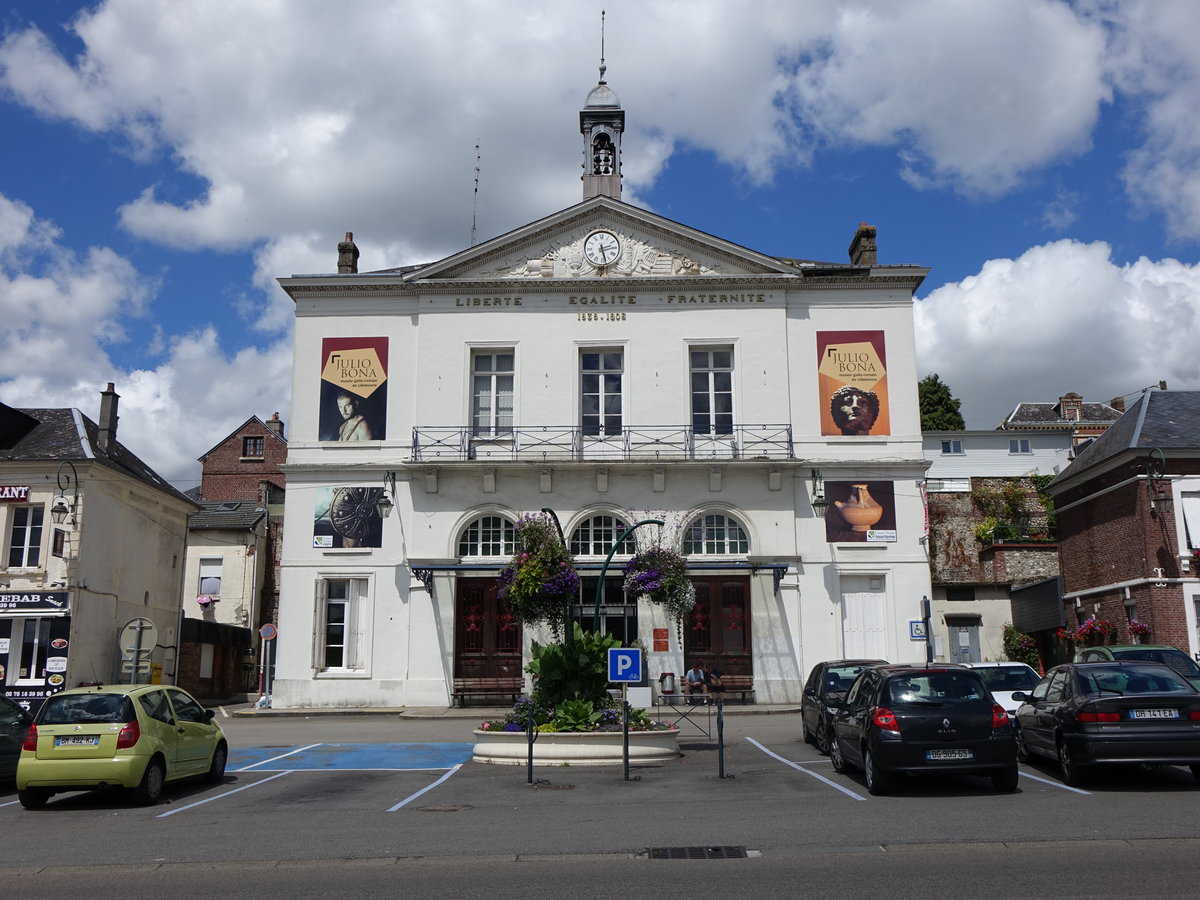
x: 638, y: 259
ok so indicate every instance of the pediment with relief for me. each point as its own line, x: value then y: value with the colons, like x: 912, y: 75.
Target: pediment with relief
x: 649, y: 247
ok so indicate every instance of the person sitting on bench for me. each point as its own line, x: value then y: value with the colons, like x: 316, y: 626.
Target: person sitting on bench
x: 714, y: 680
x: 694, y: 682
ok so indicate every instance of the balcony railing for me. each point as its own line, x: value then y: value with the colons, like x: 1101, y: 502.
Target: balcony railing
x: 550, y: 443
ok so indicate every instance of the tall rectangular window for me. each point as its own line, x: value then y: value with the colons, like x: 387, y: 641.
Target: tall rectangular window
x: 252, y: 447
x: 600, y: 378
x: 492, y: 392
x: 210, y: 577
x: 712, y: 391
x: 340, y: 645
x: 25, y: 541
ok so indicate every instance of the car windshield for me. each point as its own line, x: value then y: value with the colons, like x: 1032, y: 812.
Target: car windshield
x: 1129, y: 679
x: 1008, y: 678
x: 1176, y: 659
x: 71, y: 709
x: 937, y: 688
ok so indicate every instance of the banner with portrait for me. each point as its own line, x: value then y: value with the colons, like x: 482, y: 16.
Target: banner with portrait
x: 353, y: 389
x: 852, y: 383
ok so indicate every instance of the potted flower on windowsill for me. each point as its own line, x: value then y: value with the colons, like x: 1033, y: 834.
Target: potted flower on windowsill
x: 206, y: 601
x: 1138, y: 630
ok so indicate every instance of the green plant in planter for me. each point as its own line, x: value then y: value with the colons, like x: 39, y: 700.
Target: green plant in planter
x: 986, y: 530
x: 576, y: 715
x: 578, y: 671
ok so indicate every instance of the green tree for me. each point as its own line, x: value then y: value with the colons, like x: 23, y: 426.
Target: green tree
x: 939, y: 408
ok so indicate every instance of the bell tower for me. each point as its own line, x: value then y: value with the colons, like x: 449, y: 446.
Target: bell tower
x: 601, y: 122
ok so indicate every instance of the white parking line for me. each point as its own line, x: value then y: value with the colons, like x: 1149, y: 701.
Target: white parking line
x: 221, y: 796
x: 273, y: 758
x: 10, y: 803
x: 412, y: 797
x: 800, y: 768
x: 1057, y: 784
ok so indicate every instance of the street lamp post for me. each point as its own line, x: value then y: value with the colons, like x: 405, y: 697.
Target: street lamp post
x: 603, y: 569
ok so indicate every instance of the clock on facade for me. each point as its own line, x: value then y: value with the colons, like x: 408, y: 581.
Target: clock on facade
x: 601, y: 248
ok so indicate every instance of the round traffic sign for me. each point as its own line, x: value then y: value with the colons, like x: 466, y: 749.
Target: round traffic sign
x: 268, y: 632
x: 138, y: 635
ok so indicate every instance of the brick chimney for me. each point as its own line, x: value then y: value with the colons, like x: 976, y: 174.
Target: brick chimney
x: 108, y: 417
x: 348, y: 256
x: 1070, y: 407
x: 862, y: 248
x: 275, y: 424
x: 1117, y: 403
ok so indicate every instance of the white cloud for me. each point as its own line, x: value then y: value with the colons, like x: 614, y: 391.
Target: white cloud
x: 1061, y: 317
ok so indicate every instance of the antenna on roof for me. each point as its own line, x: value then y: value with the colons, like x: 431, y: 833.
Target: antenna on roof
x: 602, y: 66
x: 475, y: 201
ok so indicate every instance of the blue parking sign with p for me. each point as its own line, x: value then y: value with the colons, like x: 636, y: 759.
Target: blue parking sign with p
x: 624, y: 664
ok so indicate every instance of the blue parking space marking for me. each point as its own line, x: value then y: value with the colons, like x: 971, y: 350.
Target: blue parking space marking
x: 351, y: 757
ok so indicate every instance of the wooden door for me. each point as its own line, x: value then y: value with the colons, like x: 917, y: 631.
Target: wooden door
x: 718, y: 631
x: 487, y: 637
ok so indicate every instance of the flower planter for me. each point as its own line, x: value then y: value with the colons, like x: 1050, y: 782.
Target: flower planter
x: 575, y: 748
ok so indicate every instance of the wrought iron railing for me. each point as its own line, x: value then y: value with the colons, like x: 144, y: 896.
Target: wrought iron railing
x: 555, y: 443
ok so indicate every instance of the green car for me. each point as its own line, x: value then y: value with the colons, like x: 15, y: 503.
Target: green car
x: 1159, y: 653
x: 135, y: 736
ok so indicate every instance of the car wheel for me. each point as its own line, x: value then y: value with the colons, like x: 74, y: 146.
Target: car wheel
x: 33, y: 798
x: 835, y: 756
x: 216, y: 772
x: 877, y: 782
x: 1022, y: 747
x: 151, y: 788
x: 1005, y: 781
x: 1073, y: 774
x: 822, y: 738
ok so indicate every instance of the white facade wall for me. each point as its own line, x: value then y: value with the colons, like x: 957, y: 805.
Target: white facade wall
x: 405, y: 634
x: 987, y: 454
x: 242, y: 555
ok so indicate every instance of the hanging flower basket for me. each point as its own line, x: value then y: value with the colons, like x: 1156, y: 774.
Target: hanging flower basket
x: 1138, y: 629
x: 205, y: 601
x: 540, y: 582
x: 661, y: 575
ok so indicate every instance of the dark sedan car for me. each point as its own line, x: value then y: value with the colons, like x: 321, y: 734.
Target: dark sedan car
x: 922, y: 720
x: 1087, y: 714
x: 14, y: 722
x: 826, y: 687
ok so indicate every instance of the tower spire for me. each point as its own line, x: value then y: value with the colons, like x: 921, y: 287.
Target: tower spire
x: 601, y: 122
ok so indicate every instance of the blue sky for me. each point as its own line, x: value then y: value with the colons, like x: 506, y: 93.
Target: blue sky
x: 164, y: 160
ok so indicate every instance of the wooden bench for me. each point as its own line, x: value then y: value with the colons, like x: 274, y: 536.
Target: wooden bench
x: 739, y: 684
x: 510, y: 687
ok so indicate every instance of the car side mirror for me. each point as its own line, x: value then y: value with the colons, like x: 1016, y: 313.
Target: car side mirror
x: 208, y: 715
x: 809, y: 692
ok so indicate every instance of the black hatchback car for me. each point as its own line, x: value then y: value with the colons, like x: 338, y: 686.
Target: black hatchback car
x: 922, y: 720
x: 825, y: 689
x: 1087, y: 714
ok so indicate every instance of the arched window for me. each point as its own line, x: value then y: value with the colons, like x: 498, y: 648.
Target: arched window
x: 715, y: 535
x: 488, y: 536
x: 595, y: 537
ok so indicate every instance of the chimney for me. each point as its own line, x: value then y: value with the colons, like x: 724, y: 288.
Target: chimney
x: 1117, y: 403
x: 108, y: 417
x: 862, y: 248
x: 275, y: 424
x: 1070, y: 406
x: 348, y: 256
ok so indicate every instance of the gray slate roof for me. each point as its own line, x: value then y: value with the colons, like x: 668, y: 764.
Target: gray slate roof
x: 235, y: 514
x: 53, y: 435
x: 1032, y: 414
x: 1167, y: 420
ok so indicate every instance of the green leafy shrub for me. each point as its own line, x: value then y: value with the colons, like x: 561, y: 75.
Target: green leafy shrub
x: 574, y: 671
x: 1020, y: 647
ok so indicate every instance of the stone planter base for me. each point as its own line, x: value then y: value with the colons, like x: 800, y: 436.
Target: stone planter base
x: 569, y: 748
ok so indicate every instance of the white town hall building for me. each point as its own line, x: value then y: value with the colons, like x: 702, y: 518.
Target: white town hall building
x: 613, y: 366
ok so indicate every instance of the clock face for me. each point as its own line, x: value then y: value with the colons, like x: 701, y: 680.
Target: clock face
x: 601, y: 248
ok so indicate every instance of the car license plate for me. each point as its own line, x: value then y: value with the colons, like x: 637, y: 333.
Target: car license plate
x: 77, y: 740
x: 948, y: 754
x: 1154, y: 714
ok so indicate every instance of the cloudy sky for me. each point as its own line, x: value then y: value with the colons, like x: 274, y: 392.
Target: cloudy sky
x: 163, y: 161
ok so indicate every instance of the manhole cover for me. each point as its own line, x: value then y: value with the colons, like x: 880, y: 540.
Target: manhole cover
x: 554, y: 787
x: 697, y: 853
x: 445, y: 807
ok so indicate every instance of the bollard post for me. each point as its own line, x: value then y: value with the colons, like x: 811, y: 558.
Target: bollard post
x: 720, y: 736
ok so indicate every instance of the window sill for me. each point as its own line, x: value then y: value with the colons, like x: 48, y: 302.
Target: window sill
x: 345, y: 551
x: 342, y: 674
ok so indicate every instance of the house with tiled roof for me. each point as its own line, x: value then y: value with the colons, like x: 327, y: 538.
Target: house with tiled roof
x: 1128, y: 512
x: 232, y: 574
x: 1084, y: 421
x: 94, y: 540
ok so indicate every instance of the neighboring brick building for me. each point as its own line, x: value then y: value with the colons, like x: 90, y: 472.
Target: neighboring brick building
x: 1129, y: 522
x: 988, y: 532
x: 232, y: 572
